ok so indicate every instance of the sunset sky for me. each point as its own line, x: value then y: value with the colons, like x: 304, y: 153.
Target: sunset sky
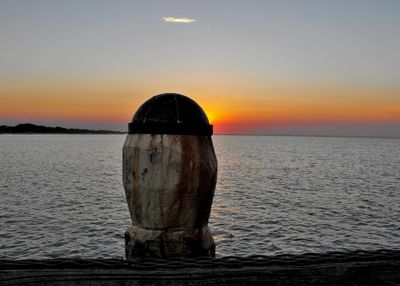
x: 256, y: 67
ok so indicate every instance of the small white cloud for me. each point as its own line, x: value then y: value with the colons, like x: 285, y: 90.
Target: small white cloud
x: 178, y: 20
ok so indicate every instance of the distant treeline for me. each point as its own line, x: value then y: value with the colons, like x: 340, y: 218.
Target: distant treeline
x: 29, y: 128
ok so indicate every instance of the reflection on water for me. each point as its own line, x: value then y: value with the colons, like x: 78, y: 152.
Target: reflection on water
x: 62, y: 195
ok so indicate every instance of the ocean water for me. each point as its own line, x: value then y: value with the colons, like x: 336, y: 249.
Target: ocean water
x: 62, y: 195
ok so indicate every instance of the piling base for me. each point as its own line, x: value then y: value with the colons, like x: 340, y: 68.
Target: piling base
x: 195, y: 242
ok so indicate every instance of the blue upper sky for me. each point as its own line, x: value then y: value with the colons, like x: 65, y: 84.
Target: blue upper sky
x: 327, y: 41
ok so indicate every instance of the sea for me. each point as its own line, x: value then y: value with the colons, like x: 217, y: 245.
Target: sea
x: 62, y: 195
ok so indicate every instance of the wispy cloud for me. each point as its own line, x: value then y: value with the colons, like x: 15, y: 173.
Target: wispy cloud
x: 178, y: 20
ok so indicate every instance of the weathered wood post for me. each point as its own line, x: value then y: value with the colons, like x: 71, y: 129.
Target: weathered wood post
x: 169, y: 176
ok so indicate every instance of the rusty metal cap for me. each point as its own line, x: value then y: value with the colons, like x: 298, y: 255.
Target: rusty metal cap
x: 170, y: 113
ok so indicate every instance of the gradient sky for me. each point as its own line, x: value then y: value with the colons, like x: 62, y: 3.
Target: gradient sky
x: 264, y: 67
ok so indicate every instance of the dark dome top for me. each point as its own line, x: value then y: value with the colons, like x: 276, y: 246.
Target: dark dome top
x: 170, y: 113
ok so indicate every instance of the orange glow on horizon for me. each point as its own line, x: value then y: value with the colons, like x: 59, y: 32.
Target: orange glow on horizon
x: 242, y: 104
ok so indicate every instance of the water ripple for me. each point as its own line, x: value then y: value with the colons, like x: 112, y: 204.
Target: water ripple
x: 62, y: 195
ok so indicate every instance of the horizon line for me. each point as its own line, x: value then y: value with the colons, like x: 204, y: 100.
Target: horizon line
x: 224, y: 134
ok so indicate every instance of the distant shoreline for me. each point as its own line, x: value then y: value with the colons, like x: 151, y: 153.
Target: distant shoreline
x: 29, y: 128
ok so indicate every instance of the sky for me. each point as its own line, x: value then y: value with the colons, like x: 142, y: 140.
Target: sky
x: 256, y: 67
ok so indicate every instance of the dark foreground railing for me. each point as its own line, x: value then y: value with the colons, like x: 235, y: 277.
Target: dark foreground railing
x: 336, y: 268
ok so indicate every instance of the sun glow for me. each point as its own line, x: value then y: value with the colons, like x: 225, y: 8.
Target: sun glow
x: 211, y: 115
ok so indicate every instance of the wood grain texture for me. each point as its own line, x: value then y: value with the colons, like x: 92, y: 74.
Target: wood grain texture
x: 354, y: 271
x: 169, y: 182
